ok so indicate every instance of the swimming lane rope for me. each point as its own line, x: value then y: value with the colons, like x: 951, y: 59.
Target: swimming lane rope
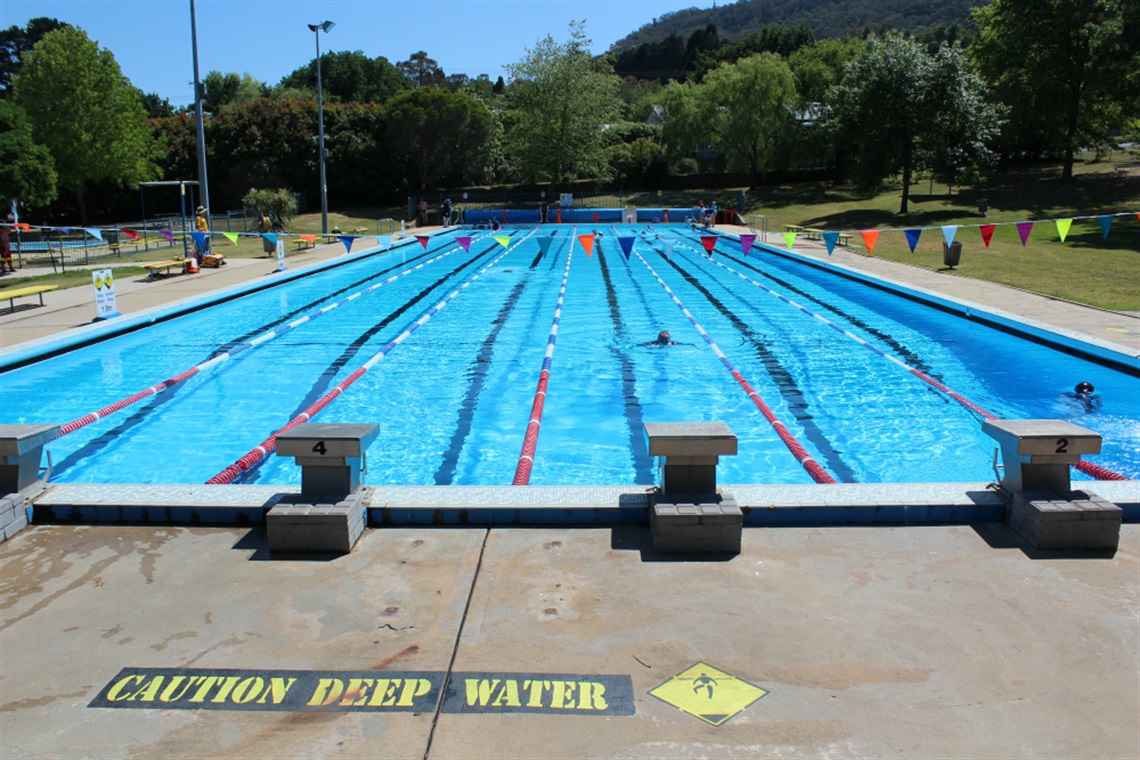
x: 530, y: 440
x: 265, y: 337
x: 1093, y: 470
x: 818, y: 474
x: 266, y: 447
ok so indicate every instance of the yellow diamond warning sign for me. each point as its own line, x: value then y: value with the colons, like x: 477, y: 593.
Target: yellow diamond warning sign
x: 708, y: 694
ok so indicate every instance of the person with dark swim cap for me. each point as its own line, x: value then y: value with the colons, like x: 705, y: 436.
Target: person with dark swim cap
x: 663, y: 339
x: 1084, y: 395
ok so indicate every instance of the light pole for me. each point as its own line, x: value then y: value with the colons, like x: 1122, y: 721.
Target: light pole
x: 203, y: 183
x: 317, y: 29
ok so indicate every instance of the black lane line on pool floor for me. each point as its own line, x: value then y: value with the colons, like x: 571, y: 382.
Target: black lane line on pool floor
x: 478, y: 373
x: 910, y: 357
x: 326, y: 378
x: 251, y: 334
x: 796, y: 402
x: 117, y: 433
x: 631, y: 404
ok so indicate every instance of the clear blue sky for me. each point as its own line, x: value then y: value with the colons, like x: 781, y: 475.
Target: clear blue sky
x: 268, y: 39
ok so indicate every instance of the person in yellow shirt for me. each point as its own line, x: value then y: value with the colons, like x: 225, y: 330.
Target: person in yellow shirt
x: 201, y: 224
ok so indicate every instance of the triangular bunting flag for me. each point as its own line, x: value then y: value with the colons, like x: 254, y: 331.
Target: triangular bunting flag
x: 668, y: 245
x: 830, y: 238
x: 131, y: 234
x: 789, y: 238
x: 65, y: 230
x: 231, y: 236
x: 503, y: 240
x: 1105, y: 224
x: 347, y: 240
x: 423, y: 240
x: 201, y: 239
x: 870, y: 237
x: 1023, y: 229
x: 26, y: 227
x: 709, y: 242
x: 626, y: 244
x: 544, y: 244
x: 746, y: 242
x: 948, y: 233
x: 310, y: 239
x: 987, y: 233
x: 587, y: 242
x: 168, y: 234
x: 97, y: 234
x: 1063, y: 228
x: 271, y: 237
x: 912, y: 237
x: 464, y: 243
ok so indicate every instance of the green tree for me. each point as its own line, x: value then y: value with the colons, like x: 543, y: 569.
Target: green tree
x: 16, y: 42
x: 422, y: 71
x: 85, y: 112
x: 349, y: 78
x: 27, y: 172
x: 230, y: 88
x: 561, y: 97
x: 739, y: 108
x: 1068, y: 69
x: 897, y: 109
x: 278, y: 204
x: 438, y: 133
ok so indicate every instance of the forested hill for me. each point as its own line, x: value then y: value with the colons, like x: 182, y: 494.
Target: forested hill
x: 827, y: 18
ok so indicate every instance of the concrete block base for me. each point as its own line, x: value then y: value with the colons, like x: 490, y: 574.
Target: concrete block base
x: 13, y: 515
x: 300, y: 527
x: 1070, y: 520
x: 711, y: 523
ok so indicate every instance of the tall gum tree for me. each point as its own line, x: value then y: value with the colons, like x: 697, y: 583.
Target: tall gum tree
x: 898, y: 108
x: 1068, y: 69
x: 85, y: 112
x: 561, y: 99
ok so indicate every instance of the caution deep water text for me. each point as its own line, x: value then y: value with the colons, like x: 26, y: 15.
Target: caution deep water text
x: 302, y: 690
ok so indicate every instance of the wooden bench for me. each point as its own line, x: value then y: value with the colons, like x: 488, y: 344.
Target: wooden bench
x: 165, y: 266
x: 32, y: 290
x: 813, y: 233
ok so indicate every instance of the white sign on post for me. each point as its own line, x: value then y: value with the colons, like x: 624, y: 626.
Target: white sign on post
x: 104, y: 282
x: 280, y: 255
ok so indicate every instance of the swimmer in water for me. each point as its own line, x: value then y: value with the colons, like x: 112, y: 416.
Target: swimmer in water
x: 1083, y: 395
x: 663, y: 339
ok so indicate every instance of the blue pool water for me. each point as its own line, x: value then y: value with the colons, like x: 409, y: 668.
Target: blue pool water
x: 453, y: 398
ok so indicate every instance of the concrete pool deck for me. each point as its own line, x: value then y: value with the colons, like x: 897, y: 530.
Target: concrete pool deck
x: 918, y: 641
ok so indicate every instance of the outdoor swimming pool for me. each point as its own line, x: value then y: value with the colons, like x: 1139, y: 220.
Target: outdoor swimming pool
x: 453, y: 342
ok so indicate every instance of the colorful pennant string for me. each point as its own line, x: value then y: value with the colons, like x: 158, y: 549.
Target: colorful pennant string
x: 870, y: 237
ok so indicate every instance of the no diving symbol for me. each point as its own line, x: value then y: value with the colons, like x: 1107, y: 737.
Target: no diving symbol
x: 708, y: 694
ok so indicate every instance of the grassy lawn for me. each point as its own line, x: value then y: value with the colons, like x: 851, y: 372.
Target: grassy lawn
x: 1085, y: 268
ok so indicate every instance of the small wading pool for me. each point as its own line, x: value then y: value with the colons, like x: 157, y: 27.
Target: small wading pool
x: 453, y: 397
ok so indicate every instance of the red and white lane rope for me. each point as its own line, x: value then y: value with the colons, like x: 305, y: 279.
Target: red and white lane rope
x: 813, y: 468
x: 530, y: 440
x: 265, y: 337
x: 1093, y: 470
x: 266, y: 447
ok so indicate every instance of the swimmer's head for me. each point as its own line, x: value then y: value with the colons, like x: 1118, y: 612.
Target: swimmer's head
x: 1084, y: 389
x: 663, y: 338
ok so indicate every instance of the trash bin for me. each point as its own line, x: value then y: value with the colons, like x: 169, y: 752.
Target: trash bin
x: 951, y: 254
